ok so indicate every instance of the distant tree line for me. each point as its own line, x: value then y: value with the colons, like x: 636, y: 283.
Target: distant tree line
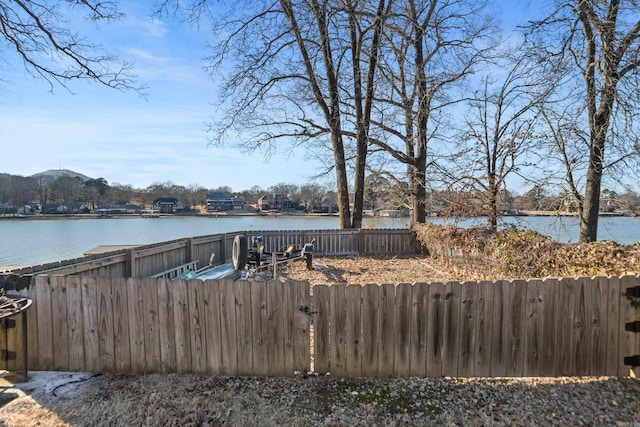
x: 381, y: 194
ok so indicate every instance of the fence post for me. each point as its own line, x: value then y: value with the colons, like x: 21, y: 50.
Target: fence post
x: 130, y: 264
x: 190, y: 250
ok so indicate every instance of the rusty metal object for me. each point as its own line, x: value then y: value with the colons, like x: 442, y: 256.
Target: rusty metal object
x: 12, y: 306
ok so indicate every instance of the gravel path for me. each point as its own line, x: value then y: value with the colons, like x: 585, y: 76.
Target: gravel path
x: 186, y: 399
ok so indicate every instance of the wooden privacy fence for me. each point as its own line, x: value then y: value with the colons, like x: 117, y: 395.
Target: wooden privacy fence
x: 158, y: 325
x: 551, y: 327
x: 153, y: 259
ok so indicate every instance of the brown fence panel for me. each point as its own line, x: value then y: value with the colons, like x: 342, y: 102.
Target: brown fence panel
x: 244, y: 325
x: 566, y: 325
x: 106, y: 339
x: 89, y: 323
x: 301, y: 322
x: 403, y: 321
x: 337, y: 330
x: 551, y: 327
x: 152, y: 259
x: 533, y: 333
x: 333, y: 242
x: 213, y: 334
x: 386, y: 345
x: 167, y: 336
x: 382, y: 242
x: 451, y: 329
x: 228, y: 338
x: 278, y: 240
x: 135, y: 294
x: 197, y: 326
x: 182, y: 325
x: 275, y: 325
x: 353, y: 330
x: 419, y: 320
x: 148, y: 261
x: 515, y: 328
x: 548, y: 315
x: 259, y: 328
x: 469, y: 294
x: 321, y: 306
x: 122, y: 349
x: 484, y: 309
x: 370, y: 330
x: 59, y: 320
x: 202, y: 249
x: 435, y: 326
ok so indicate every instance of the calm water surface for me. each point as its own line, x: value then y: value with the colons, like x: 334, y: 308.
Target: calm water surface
x: 24, y: 242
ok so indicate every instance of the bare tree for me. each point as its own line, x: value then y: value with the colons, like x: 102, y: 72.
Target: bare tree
x: 500, y: 128
x: 299, y: 72
x: 40, y: 34
x: 600, y: 42
x: 430, y: 48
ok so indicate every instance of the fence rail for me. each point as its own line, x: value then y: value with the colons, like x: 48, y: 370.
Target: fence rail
x: 551, y: 327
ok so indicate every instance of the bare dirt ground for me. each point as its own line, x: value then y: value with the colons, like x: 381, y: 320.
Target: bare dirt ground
x: 377, y: 270
x: 82, y: 399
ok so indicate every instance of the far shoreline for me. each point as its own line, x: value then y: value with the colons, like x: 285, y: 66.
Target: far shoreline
x: 248, y: 213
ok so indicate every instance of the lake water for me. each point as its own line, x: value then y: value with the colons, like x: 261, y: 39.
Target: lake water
x: 25, y: 242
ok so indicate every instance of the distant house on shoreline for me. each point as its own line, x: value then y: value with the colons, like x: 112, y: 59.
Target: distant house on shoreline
x: 165, y: 204
x: 273, y: 202
x: 65, y: 208
x: 217, y: 202
x: 118, y: 209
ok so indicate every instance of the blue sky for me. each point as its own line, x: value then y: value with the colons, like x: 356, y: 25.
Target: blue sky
x: 126, y: 139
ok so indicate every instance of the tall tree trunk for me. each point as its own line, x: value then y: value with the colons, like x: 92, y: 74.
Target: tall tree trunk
x: 363, y: 114
x: 335, y: 126
x: 332, y: 110
x: 591, y: 203
x: 420, y: 180
x: 417, y: 179
x: 341, y: 180
x: 492, y: 214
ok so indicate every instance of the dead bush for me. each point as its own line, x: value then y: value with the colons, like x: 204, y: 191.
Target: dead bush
x: 523, y: 253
